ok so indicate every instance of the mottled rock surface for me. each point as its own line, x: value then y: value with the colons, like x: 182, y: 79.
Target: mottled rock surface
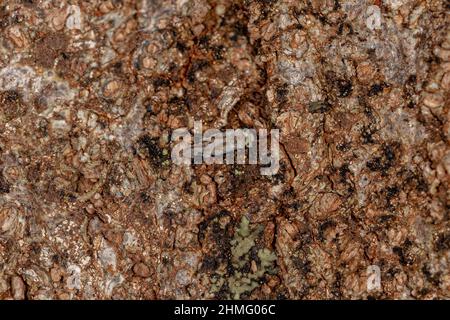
x: 91, y: 206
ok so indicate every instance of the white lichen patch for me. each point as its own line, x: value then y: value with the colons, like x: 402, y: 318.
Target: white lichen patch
x: 373, y: 17
x: 107, y: 256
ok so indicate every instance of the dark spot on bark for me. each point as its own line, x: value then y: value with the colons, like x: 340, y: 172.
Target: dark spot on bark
x: 256, y: 48
x: 389, y: 153
x: 375, y: 164
x: 343, y: 171
x: 253, y: 255
x: 296, y: 205
x: 366, y: 135
x: 280, y: 176
x: 415, y: 180
x: 324, y: 226
x: 239, y: 29
x: 149, y: 108
x: 4, y: 186
x: 443, y: 242
x: 246, y: 267
x: 386, y: 218
x: 337, y: 5
x: 218, y: 52
x: 154, y: 151
x: 402, y: 252
x: 391, y: 192
x: 10, y: 97
x: 344, y: 146
x: 304, y: 266
x: 196, y: 66
x: 165, y: 260
x: 281, y: 94
x: 209, y: 263
x: 160, y: 82
x: 223, y: 293
x: 432, y: 278
x: 345, y: 88
x: 230, y: 269
x: 336, y: 289
x: 145, y: 197
x: 304, y: 237
x: 281, y: 296
x: 203, y: 41
x: 376, y: 89
x: 384, y: 162
x: 345, y: 28
x: 319, y: 107
x: 412, y: 79
x: 181, y: 46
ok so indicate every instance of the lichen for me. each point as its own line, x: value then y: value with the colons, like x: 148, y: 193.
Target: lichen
x: 244, y: 280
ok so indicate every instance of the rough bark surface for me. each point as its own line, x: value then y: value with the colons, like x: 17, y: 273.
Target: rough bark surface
x: 91, y: 206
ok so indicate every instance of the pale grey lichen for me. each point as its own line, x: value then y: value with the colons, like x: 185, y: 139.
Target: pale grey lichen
x: 243, y: 281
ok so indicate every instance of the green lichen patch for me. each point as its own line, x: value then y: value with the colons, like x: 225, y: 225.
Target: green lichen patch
x: 249, y: 262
